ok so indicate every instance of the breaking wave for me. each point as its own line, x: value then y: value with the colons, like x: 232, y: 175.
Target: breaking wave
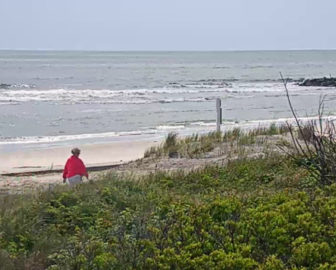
x: 200, y: 91
x: 16, y: 86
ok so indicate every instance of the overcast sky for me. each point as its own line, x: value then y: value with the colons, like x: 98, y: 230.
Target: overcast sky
x: 167, y: 24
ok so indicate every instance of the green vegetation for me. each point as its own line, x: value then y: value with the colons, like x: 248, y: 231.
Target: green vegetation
x: 250, y: 214
x: 197, y: 145
x: 265, y: 213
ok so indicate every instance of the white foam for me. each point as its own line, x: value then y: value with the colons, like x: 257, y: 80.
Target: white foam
x: 193, y: 127
x: 63, y: 138
x: 192, y: 93
x: 204, y: 124
x: 170, y: 127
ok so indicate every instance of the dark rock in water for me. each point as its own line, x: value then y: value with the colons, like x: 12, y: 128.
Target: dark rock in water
x: 326, y: 82
x: 4, y: 86
x: 294, y: 80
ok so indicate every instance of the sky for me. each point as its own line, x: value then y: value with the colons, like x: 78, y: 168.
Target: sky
x: 167, y: 24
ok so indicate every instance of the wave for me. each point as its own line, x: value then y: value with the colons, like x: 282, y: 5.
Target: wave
x: 63, y: 138
x: 200, y: 91
x: 205, y: 83
x: 258, y: 66
x: 16, y: 86
x: 171, y: 127
x: 162, y: 130
x: 90, y: 97
x: 105, y: 96
x: 9, y: 103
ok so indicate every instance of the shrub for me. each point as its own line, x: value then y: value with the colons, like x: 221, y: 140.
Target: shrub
x: 313, y: 144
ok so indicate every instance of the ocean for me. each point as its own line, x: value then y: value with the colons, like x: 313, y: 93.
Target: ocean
x: 54, y: 98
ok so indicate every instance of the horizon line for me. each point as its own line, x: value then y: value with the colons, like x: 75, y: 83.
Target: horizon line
x: 228, y: 50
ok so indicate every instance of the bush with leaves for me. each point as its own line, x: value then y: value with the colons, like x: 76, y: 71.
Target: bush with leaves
x: 250, y: 214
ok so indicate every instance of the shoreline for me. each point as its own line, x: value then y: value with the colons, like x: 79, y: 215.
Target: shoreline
x: 27, y: 143
x: 93, y: 155
x: 18, y: 158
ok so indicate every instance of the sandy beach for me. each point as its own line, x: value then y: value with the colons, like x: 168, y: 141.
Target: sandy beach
x: 55, y: 158
x: 25, y: 163
x: 30, y: 170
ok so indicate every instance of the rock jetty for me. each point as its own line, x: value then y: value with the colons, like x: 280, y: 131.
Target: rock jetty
x: 326, y: 82
x: 4, y: 86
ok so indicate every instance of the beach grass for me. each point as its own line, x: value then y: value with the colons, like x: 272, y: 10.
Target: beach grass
x: 196, y: 145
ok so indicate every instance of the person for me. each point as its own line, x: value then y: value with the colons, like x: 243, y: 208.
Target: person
x: 74, y: 169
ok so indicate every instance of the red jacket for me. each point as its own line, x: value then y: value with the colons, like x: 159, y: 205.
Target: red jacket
x: 74, y: 166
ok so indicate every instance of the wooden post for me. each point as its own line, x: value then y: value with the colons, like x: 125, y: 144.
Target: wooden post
x: 219, y: 113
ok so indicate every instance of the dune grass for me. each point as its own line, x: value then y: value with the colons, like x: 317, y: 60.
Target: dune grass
x: 250, y: 214
x: 196, y: 145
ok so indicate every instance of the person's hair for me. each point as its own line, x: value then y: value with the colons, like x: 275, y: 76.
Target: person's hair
x: 75, y: 151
